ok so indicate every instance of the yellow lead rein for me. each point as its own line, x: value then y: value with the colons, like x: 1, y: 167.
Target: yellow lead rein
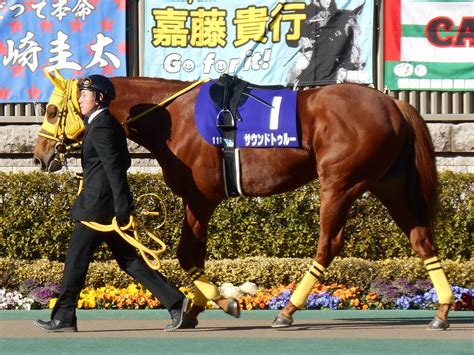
x: 151, y: 257
x: 134, y: 225
x: 164, y: 102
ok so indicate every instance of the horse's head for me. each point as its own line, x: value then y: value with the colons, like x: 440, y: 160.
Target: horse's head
x: 62, y: 126
x: 326, y: 9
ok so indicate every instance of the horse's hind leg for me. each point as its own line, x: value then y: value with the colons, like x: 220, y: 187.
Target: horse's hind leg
x: 335, y: 205
x: 420, y: 236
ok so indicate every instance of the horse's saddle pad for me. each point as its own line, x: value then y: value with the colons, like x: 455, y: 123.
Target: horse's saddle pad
x: 257, y: 124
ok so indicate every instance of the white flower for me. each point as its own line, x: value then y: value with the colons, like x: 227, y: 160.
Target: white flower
x: 14, y: 300
x: 249, y: 288
x: 228, y: 290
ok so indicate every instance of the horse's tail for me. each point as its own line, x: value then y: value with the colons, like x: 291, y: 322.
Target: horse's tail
x: 425, y: 162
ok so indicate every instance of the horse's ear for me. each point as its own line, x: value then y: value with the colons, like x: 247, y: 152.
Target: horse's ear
x: 57, y: 79
x: 358, y: 10
x: 58, y: 74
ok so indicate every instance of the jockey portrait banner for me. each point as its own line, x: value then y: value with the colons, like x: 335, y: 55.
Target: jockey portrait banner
x: 269, y: 42
x: 429, y: 45
x: 78, y: 38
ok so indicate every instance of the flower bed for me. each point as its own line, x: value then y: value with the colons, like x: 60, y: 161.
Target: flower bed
x: 399, y: 294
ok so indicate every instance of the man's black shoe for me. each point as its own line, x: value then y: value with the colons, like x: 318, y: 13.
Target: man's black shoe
x: 178, y: 314
x: 189, y: 323
x: 55, y: 325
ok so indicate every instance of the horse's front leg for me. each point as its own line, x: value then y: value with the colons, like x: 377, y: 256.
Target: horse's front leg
x: 191, y: 253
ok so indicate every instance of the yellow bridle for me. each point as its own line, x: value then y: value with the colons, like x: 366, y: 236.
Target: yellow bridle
x: 69, y: 125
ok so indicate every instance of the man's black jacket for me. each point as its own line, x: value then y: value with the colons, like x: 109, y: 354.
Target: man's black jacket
x: 105, y: 161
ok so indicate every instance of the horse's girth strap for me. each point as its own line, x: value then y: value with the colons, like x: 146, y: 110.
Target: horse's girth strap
x: 315, y: 273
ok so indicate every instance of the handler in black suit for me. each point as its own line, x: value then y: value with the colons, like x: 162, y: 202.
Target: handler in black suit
x: 106, y: 194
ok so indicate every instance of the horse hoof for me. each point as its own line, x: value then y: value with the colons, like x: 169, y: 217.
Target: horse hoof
x: 282, y: 321
x: 438, y: 324
x: 233, y: 308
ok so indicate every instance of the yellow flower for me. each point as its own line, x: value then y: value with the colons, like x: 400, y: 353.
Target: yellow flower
x: 133, y: 289
x: 340, y: 293
x: 372, y: 296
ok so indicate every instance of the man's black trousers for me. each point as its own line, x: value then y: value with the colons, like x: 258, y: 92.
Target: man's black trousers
x: 84, y: 242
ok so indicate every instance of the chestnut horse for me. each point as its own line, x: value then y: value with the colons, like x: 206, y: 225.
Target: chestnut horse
x: 353, y: 138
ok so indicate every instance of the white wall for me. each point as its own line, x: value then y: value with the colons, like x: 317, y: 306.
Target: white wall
x: 454, y: 145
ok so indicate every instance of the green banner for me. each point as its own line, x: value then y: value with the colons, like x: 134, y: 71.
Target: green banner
x: 429, y: 45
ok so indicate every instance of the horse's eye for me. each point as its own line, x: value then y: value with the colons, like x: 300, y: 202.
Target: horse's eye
x: 52, y: 113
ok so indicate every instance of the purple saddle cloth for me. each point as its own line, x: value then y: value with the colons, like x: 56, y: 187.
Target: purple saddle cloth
x: 258, y: 125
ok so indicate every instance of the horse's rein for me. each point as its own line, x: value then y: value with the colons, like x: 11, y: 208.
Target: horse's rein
x: 161, y: 104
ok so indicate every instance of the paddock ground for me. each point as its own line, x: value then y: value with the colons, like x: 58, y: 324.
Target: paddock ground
x: 314, y: 332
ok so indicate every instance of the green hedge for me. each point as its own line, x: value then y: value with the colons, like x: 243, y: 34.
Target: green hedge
x: 264, y: 272
x: 35, y: 224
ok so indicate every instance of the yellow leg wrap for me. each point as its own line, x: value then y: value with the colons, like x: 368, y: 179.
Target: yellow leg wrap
x: 439, y: 280
x: 199, y: 299
x: 204, y: 288
x: 304, y: 288
x: 209, y: 290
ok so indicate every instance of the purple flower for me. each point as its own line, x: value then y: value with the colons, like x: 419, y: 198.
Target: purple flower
x: 419, y: 302
x: 423, y: 286
x: 42, y: 295
x: 430, y: 296
x: 405, y: 287
x: 403, y: 302
x: 322, y: 300
x: 386, y: 292
x: 280, y: 301
x: 54, y: 287
x: 27, y: 285
x: 334, y: 303
x: 458, y: 291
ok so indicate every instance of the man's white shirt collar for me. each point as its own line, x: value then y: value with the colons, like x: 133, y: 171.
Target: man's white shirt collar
x: 94, y: 114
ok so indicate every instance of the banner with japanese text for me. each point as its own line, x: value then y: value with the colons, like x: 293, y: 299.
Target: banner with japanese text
x: 429, y: 45
x: 269, y: 42
x: 79, y: 38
